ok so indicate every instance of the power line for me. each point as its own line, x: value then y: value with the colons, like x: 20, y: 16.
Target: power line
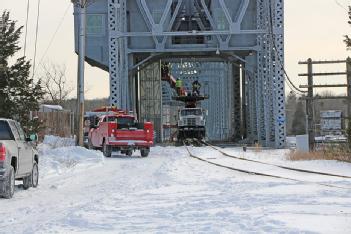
x: 55, y: 33
x: 36, y: 37
x: 341, y: 5
x: 271, y: 32
x: 292, y: 85
x: 25, y: 37
x: 90, y: 3
x: 83, y: 3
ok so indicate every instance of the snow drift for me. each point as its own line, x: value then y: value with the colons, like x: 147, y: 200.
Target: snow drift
x: 59, y: 156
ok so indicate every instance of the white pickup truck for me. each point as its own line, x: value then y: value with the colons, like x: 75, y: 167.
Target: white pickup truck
x: 18, y: 158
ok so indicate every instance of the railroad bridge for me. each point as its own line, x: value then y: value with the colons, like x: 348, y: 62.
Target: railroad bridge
x: 235, y: 48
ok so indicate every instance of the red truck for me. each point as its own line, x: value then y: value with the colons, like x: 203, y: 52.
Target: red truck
x: 121, y: 132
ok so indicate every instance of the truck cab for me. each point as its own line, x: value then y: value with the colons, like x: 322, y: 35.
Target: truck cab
x: 191, y: 123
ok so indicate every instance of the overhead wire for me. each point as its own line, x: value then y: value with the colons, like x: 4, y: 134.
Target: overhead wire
x: 341, y: 5
x: 55, y: 33
x: 36, y: 37
x: 90, y: 3
x: 26, y: 33
x: 271, y: 33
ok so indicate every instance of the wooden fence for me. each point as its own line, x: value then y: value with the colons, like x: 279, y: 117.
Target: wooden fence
x: 57, y: 123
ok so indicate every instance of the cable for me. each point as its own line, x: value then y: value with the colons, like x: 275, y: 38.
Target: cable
x: 276, y: 53
x: 271, y: 32
x: 36, y: 37
x: 55, y: 33
x: 91, y: 3
x: 25, y: 37
x: 340, y: 5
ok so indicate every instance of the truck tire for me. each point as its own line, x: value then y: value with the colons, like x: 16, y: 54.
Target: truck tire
x: 32, y: 179
x: 35, y: 175
x: 106, y: 150
x: 90, y: 145
x: 9, y: 186
x: 129, y: 153
x: 144, y: 152
x: 27, y: 182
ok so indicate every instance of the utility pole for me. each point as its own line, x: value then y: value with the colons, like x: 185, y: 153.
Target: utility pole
x: 80, y: 79
x: 309, y: 105
x: 348, y: 71
x: 310, y: 98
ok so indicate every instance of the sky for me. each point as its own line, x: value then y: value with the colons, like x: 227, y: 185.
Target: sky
x: 313, y: 29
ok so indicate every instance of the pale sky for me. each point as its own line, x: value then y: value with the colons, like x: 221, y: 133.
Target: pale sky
x: 313, y: 28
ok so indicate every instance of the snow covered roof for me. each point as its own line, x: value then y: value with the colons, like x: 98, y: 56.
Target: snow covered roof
x: 45, y: 107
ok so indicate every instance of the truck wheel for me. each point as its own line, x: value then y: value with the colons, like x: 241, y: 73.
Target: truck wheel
x: 9, y: 185
x: 144, y: 152
x: 35, y: 175
x: 90, y: 145
x: 32, y: 179
x: 129, y: 153
x: 27, y: 182
x: 107, y: 151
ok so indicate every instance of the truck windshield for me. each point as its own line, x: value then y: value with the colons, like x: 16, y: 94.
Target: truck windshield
x: 125, y: 121
x: 120, y: 120
x: 5, y: 132
x: 191, y: 112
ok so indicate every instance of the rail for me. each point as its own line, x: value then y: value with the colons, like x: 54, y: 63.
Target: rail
x: 198, y: 143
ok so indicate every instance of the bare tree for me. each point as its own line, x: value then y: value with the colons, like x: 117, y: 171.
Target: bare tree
x: 55, y: 83
x: 327, y: 93
x: 348, y: 38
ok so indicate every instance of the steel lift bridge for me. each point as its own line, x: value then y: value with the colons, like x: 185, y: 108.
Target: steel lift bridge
x: 233, y: 47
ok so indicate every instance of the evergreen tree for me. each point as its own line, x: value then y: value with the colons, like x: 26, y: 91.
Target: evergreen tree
x: 299, y: 121
x: 19, y: 93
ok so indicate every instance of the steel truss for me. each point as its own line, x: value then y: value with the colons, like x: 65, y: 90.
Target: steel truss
x: 265, y: 88
x: 118, y: 56
x: 216, y: 79
x: 264, y: 78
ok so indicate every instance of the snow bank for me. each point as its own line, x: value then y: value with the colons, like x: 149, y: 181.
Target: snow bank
x: 59, y: 156
x: 55, y: 142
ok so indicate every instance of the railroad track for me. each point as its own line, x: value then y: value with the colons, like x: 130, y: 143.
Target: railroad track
x: 197, y: 143
x: 276, y: 165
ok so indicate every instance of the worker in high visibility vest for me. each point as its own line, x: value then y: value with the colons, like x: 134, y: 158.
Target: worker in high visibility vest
x: 179, y: 85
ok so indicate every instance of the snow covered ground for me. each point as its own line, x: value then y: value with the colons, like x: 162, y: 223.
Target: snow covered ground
x: 80, y: 191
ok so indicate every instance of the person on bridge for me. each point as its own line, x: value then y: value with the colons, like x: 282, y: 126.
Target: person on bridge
x: 196, y: 88
x: 164, y: 69
x: 179, y: 85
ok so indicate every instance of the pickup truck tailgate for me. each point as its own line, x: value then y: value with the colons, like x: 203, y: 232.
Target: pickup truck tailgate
x: 138, y: 135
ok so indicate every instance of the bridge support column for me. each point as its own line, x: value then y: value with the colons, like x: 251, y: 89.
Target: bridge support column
x: 236, y: 103
x: 118, y: 56
x: 270, y: 96
x: 151, y: 97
